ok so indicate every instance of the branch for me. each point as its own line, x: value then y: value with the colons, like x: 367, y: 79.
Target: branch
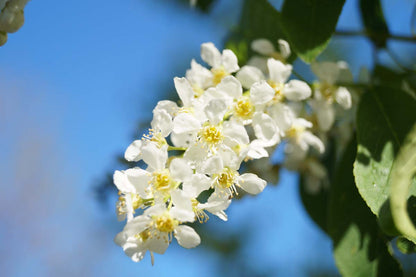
x: 368, y: 34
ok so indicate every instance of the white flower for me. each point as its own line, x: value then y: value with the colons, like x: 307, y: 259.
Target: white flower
x: 267, y: 50
x: 225, y: 177
x: 303, y: 139
x: 326, y: 92
x: 153, y: 232
x: 199, y: 77
x: 222, y: 64
x: 132, y: 194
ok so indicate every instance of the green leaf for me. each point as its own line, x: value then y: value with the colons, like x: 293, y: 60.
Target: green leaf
x: 309, y: 25
x: 374, y: 22
x: 405, y: 246
x: 360, y: 248
x: 400, y: 180
x: 385, y: 115
x: 3, y: 38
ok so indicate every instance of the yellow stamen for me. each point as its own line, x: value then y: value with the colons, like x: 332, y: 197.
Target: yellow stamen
x: 295, y: 131
x: 244, y: 108
x: 165, y: 223
x: 219, y: 74
x: 211, y: 134
x: 161, y: 180
x: 155, y: 137
x: 278, y: 90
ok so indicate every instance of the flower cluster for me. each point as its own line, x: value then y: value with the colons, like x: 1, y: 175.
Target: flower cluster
x: 11, y: 17
x: 227, y: 115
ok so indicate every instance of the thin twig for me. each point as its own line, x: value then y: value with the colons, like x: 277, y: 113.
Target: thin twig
x: 367, y: 34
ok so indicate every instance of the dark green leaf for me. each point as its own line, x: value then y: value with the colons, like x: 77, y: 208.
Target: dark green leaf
x: 374, y: 22
x: 384, y: 117
x: 316, y: 205
x: 204, y: 5
x: 360, y: 248
x: 309, y: 25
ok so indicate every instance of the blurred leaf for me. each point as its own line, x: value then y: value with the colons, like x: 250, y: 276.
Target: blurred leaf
x: 360, y: 249
x: 387, y: 77
x: 384, y: 117
x: 405, y: 246
x: 3, y: 38
x: 204, y: 5
x: 400, y: 180
x: 309, y: 25
x: 315, y: 204
x: 374, y: 22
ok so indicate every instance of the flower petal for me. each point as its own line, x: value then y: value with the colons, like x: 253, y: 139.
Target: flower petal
x: 183, y: 139
x: 248, y: 75
x: 263, y: 46
x: 184, y: 90
x: 186, y: 236
x: 236, y: 131
x: 159, y: 244
x: 296, y: 90
x: 215, y: 111
x: 282, y: 115
x: 230, y: 86
x: 229, y: 61
x: 180, y: 169
x: 162, y: 122
x: 154, y: 156
x: 343, y: 97
x: 266, y: 129
x: 210, y: 54
x: 326, y: 71
x: 313, y: 141
x: 122, y: 183
x: 185, y: 123
x: 196, y: 184
x: 133, y: 151
x: 261, y: 93
x: 252, y: 183
x: 279, y: 72
x: 212, y: 165
x: 284, y: 48
x: 139, y: 178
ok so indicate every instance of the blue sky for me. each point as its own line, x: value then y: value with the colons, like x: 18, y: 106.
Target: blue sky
x: 74, y: 83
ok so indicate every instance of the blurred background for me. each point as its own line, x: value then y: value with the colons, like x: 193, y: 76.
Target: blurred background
x: 78, y: 83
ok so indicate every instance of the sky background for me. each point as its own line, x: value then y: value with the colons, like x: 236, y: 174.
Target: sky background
x: 75, y: 81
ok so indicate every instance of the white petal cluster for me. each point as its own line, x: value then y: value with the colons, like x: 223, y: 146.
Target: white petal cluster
x: 194, y: 150
x: 11, y: 17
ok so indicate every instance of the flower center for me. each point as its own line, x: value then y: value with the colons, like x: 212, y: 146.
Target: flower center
x: 226, y: 178
x: 327, y: 90
x: 278, y: 90
x: 137, y: 201
x: 294, y: 131
x: 219, y: 74
x: 155, y: 137
x: 244, y: 108
x: 165, y: 223
x: 162, y: 180
x: 212, y: 134
x: 199, y: 213
x: 198, y: 91
x: 145, y: 235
